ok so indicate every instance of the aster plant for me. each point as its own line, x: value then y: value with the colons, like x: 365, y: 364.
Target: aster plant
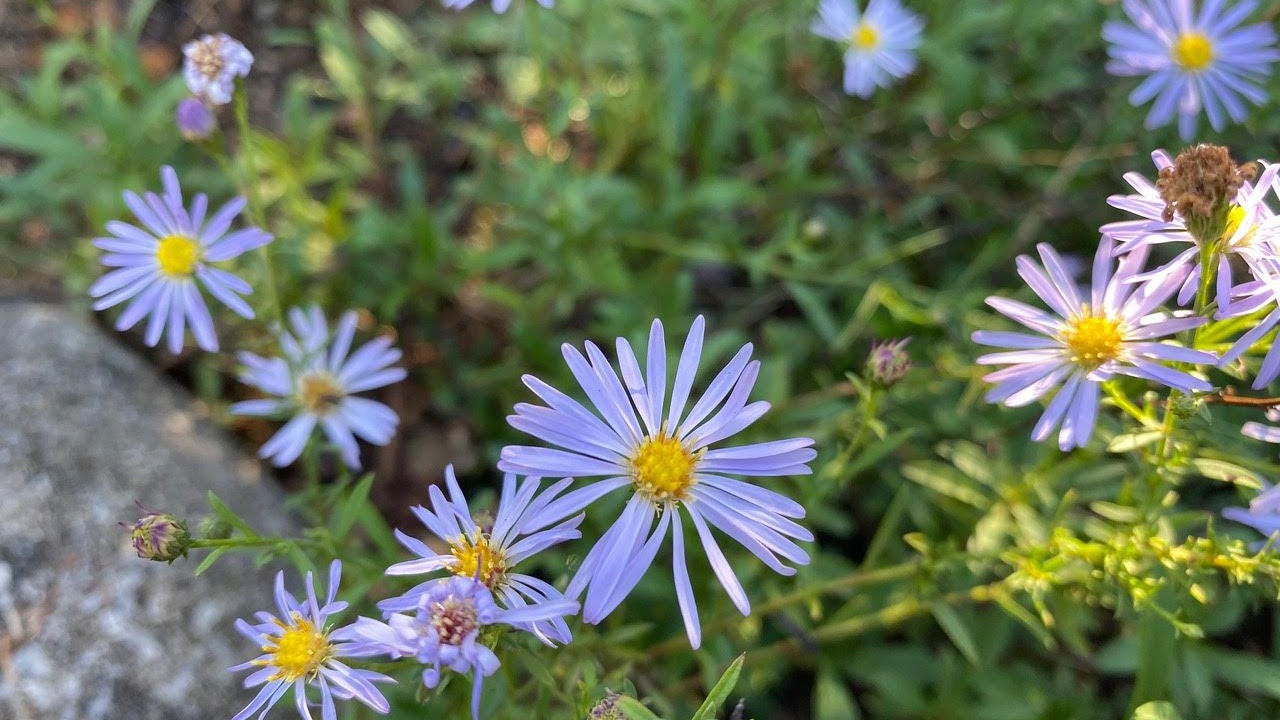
x: 880, y: 43
x: 525, y: 523
x: 1089, y: 335
x: 211, y: 65
x: 1193, y: 61
x: 316, y: 383
x: 160, y: 267
x: 300, y: 650
x: 642, y: 440
x: 442, y: 630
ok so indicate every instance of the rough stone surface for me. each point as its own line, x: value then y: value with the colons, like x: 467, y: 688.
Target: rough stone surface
x: 87, y: 630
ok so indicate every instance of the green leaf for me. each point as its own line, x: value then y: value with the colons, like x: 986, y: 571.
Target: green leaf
x: 349, y: 510
x: 1132, y: 441
x: 720, y: 691
x: 228, y: 515
x: 1157, y: 710
x: 831, y: 699
x: 950, y: 622
x: 210, y: 559
x: 632, y: 708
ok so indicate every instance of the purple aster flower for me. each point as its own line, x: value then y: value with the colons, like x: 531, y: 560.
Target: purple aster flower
x: 881, y: 42
x: 1092, y: 335
x: 1265, y: 433
x: 1250, y: 233
x: 1192, y: 60
x: 300, y: 650
x: 666, y: 460
x: 1253, y: 297
x: 499, y: 6
x: 212, y: 65
x: 487, y: 549
x: 443, y: 630
x: 316, y: 382
x: 157, y: 266
x: 194, y: 119
x: 1263, y: 513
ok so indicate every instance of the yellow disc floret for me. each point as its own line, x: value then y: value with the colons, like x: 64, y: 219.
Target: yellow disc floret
x: 1093, y: 339
x: 865, y: 37
x: 319, y: 392
x: 478, y: 555
x: 178, y: 255
x: 1236, y: 216
x: 662, y: 468
x: 1192, y: 51
x: 297, y: 652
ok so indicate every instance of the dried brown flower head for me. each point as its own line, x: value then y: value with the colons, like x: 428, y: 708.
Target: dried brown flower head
x: 1201, y: 184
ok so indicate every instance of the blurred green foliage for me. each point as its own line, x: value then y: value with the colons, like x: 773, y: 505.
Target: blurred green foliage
x: 491, y: 186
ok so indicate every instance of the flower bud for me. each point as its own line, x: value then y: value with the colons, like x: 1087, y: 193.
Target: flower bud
x: 194, y: 119
x: 1184, y: 407
x: 888, y: 362
x: 607, y: 708
x: 159, y: 536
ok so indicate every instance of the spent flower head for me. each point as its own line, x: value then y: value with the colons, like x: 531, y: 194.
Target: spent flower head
x: 316, y: 382
x: 659, y: 450
x: 1224, y: 208
x: 1092, y: 334
x: 300, y: 650
x: 526, y: 523
x: 212, y: 65
x: 158, y: 536
x: 1193, y: 61
x: 162, y: 265
x: 880, y: 43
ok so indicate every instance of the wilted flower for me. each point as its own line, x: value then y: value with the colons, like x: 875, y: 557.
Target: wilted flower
x: 881, y: 42
x: 159, y: 536
x: 212, y: 65
x: 316, y: 382
x: 1192, y: 61
x: 499, y: 6
x: 888, y: 362
x: 1108, y: 330
x: 300, y: 650
x: 665, y: 460
x: 158, y: 266
x: 1245, y: 230
x: 525, y: 523
x: 444, y: 628
x: 194, y: 119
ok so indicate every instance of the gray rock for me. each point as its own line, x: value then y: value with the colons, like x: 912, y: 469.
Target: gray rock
x: 87, y: 630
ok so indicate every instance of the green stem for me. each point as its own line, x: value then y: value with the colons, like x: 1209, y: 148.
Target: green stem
x: 256, y: 211
x: 855, y: 579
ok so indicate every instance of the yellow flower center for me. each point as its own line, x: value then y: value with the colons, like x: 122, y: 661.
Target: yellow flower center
x: 1192, y: 51
x: 319, y: 393
x: 865, y: 37
x: 1093, y: 339
x: 299, y: 651
x: 479, y: 555
x: 662, y: 469
x: 1235, y: 216
x: 178, y: 255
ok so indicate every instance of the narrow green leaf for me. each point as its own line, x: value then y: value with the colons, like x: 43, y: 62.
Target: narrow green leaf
x: 347, y: 513
x: 720, y: 691
x: 1156, y: 710
x: 1132, y: 441
x: 831, y: 699
x: 227, y: 514
x: 210, y: 559
x: 634, y: 710
x: 951, y: 623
